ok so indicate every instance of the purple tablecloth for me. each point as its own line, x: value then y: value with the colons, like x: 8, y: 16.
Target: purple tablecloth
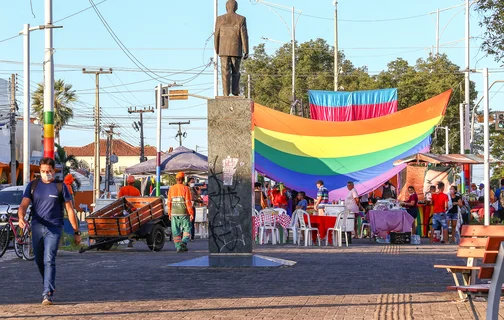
x: 383, y: 222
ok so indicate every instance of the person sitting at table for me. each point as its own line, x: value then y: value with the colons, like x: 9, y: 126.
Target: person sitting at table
x: 259, y: 197
x: 280, y: 197
x: 478, y: 211
x: 302, y: 203
x: 322, y: 198
x: 411, y: 205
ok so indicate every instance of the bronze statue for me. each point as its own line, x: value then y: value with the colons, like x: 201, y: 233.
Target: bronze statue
x: 231, y: 44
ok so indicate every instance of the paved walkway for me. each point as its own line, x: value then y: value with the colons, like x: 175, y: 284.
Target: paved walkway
x: 363, y: 281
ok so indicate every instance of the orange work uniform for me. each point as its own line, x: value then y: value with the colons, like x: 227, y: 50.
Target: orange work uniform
x: 128, y: 191
x: 179, y: 190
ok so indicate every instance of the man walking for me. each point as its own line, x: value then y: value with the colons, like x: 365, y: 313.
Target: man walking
x: 48, y: 198
x: 181, y: 213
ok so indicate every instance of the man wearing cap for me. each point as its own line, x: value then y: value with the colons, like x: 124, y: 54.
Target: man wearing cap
x: 181, y: 213
x: 129, y: 190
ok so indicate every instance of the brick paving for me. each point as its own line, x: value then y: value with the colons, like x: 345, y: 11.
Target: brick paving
x: 363, y: 281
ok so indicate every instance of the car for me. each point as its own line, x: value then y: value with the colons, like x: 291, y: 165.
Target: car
x: 11, y: 196
x: 163, y: 191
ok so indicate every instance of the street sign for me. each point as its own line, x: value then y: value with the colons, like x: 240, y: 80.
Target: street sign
x: 114, y: 159
x: 178, y: 94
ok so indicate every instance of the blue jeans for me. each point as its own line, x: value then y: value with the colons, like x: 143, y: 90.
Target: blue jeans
x: 45, y: 247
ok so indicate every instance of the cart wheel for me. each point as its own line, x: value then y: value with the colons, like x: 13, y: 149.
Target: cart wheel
x: 156, y: 239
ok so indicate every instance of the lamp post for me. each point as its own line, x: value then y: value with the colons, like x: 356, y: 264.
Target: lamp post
x: 292, y: 32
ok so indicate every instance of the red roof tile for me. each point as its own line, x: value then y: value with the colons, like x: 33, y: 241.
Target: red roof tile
x: 120, y: 148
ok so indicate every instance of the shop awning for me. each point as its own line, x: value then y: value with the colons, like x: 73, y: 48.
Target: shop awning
x: 447, y: 159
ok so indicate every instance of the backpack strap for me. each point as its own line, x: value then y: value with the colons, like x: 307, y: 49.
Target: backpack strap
x: 59, y: 186
x: 32, y: 188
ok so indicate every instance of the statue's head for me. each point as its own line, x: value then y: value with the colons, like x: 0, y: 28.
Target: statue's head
x: 231, y: 6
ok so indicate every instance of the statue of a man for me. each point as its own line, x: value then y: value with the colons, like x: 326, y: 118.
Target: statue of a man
x: 231, y: 44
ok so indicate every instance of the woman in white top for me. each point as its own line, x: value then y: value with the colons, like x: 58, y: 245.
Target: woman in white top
x: 352, y: 202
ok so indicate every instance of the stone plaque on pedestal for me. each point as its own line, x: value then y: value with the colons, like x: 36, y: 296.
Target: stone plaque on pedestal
x: 230, y: 170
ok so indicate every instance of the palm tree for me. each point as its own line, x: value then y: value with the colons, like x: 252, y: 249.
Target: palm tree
x: 64, y: 97
x: 62, y: 158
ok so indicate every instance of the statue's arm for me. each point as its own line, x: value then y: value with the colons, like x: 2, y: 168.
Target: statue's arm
x: 217, y: 36
x: 244, y: 37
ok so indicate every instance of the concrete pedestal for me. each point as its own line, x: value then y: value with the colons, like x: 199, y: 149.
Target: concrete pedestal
x: 230, y: 189
x: 230, y: 175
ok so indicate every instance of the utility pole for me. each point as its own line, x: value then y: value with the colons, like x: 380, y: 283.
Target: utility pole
x: 110, y: 136
x: 141, y: 125
x: 467, y: 88
x: 336, y: 67
x: 27, y: 104
x: 179, y: 133
x: 249, y: 86
x: 48, y: 84
x: 97, y: 129
x: 26, y: 93
x: 293, y: 57
x: 13, y: 130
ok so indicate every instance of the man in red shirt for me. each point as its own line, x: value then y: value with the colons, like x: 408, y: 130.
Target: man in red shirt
x: 440, y: 203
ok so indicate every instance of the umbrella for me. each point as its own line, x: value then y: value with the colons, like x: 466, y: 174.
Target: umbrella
x: 180, y: 159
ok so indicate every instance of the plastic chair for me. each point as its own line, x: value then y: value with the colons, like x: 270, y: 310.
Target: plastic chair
x: 363, y: 225
x: 306, y: 228
x: 200, y: 222
x: 268, y: 223
x: 340, y: 227
x: 294, y: 227
x: 333, y: 230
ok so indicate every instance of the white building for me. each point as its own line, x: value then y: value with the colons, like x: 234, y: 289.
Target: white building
x: 127, y: 154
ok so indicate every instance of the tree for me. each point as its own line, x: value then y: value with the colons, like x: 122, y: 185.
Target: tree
x: 63, y: 159
x: 492, y: 12
x: 64, y: 98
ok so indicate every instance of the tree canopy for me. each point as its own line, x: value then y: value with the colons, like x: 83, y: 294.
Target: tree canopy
x: 492, y: 14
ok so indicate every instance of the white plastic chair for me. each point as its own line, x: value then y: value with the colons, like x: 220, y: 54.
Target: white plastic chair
x: 306, y: 228
x: 333, y: 230
x: 363, y: 225
x: 294, y: 227
x: 201, y: 223
x: 268, y: 226
x: 340, y: 227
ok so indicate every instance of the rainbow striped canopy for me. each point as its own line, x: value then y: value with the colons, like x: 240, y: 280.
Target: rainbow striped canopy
x: 299, y: 151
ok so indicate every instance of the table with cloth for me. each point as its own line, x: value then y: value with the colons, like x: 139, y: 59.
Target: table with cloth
x: 281, y: 220
x: 322, y: 223
x: 383, y: 222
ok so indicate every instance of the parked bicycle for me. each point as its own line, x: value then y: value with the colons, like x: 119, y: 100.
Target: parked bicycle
x: 21, y: 237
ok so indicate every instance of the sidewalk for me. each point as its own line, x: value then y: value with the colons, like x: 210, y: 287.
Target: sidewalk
x: 363, y: 281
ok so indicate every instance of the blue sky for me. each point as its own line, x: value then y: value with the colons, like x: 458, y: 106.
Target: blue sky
x: 171, y: 36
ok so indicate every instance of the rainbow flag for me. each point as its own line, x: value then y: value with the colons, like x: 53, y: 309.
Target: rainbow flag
x: 352, y: 106
x: 299, y: 151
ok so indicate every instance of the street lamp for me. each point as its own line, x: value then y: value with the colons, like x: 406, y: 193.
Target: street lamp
x: 335, y: 3
x: 292, y: 32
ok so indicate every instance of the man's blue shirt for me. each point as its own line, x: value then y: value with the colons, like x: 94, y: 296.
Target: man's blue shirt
x: 47, y: 207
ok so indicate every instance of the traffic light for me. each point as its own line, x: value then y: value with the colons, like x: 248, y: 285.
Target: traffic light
x: 499, y: 121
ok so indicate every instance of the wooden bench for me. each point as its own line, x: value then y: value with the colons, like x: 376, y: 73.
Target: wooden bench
x: 473, y: 239
x: 492, y: 268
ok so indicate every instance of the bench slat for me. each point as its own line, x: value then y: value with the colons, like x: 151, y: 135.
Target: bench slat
x: 470, y: 253
x: 486, y: 273
x: 482, y: 231
x: 473, y: 242
x: 476, y: 288
x: 490, y: 257
x: 493, y: 243
x: 457, y: 269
